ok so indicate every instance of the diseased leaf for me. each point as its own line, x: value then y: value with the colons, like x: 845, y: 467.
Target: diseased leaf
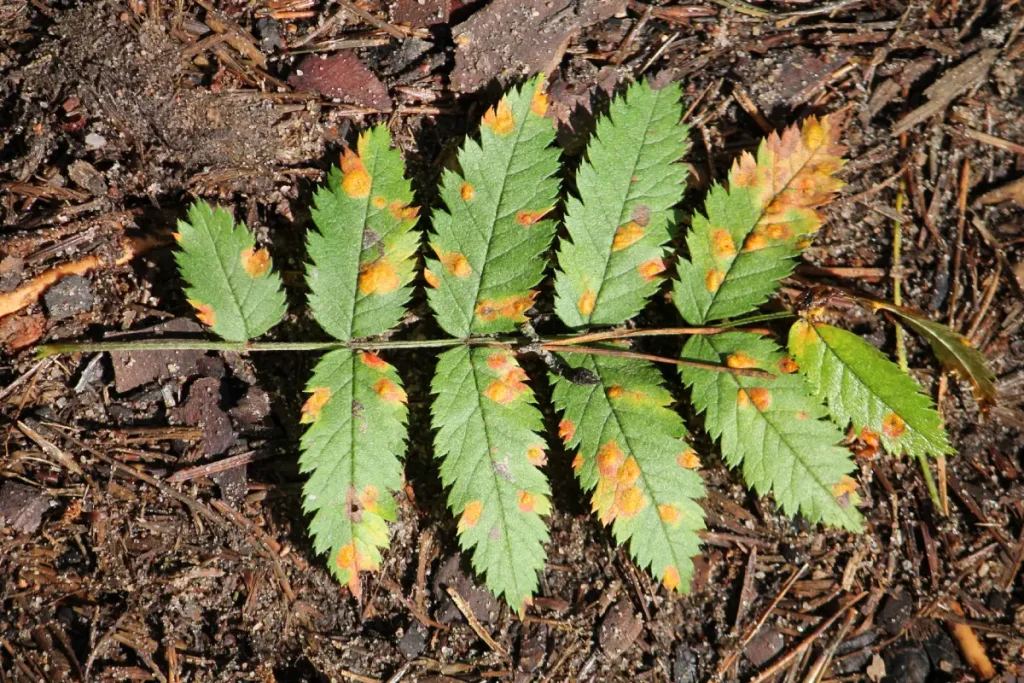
x: 352, y: 451
x: 952, y: 349
x: 620, y: 223
x: 490, y: 447
x: 232, y: 285
x: 489, y: 244
x: 631, y: 453
x: 362, y: 251
x: 863, y: 387
x: 752, y: 232
x: 773, y: 429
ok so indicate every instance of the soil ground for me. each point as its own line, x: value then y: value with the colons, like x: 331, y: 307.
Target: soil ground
x: 127, y: 550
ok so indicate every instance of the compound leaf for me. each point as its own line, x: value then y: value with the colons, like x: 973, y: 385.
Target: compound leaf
x: 952, y: 349
x: 490, y: 242
x: 362, y: 250
x: 752, y: 232
x: 352, y: 450
x: 489, y: 445
x: 863, y: 387
x: 620, y: 223
x: 232, y: 285
x: 631, y: 454
x: 773, y: 428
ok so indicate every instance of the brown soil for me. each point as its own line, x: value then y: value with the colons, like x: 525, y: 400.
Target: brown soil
x: 120, y: 561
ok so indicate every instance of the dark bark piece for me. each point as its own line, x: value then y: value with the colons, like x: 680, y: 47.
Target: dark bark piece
x: 132, y: 369
x: 344, y: 76
x: 479, y: 599
x: 421, y: 13
x: 763, y: 647
x: 621, y: 626
x: 202, y: 409
x: 509, y: 38
x: 896, y: 611
x: 69, y: 297
x: 22, y: 507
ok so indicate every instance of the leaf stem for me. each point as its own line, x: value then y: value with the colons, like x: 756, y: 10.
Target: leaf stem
x: 746, y: 372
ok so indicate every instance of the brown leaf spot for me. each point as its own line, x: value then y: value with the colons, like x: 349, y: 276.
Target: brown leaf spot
x: 761, y: 398
x: 536, y: 455
x: 627, y: 234
x: 203, y: 312
x: 389, y: 391
x: 566, y: 431
x: 467, y: 192
x: 649, y: 269
x: 722, y: 246
x: 373, y: 361
x: 689, y: 459
x: 314, y: 404
x: 470, y: 515
x: 525, y: 501
x: 512, y: 307
x: 740, y: 360
x: 500, y: 119
x: 255, y: 263
x: 528, y: 218
x: 586, y: 302
x: 845, y: 492
x: 378, y: 277
x: 801, y: 415
x: 671, y: 578
x: 431, y: 277
x: 713, y: 280
x: 642, y: 215
x: 893, y: 426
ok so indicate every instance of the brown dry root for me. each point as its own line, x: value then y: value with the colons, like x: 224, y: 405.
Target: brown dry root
x: 970, y: 646
x: 28, y: 293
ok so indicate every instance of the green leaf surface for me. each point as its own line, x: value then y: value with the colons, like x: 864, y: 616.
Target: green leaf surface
x: 362, y: 251
x: 490, y: 449
x: 352, y: 452
x: 752, y: 232
x: 620, y: 223
x: 489, y: 243
x: 863, y: 387
x: 772, y: 428
x: 632, y: 455
x: 232, y: 285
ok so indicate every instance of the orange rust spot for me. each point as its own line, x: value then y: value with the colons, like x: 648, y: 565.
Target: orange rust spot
x: 508, y: 387
x: 539, y: 102
x: 401, y: 211
x: 379, y: 202
x: 629, y: 472
x: 870, y: 438
x: 566, y: 430
x: 467, y: 192
x: 470, y: 515
x: 778, y: 232
x: 350, y: 561
x: 536, y: 455
x: 255, y: 263
x: 742, y: 399
x: 755, y: 242
x: 456, y: 264
x: 525, y: 501
x: 788, y: 365
x: 740, y: 360
x: 614, y: 391
x: 616, y: 494
x: 500, y: 119
x: 671, y: 578
x: 372, y: 360
x: 314, y: 404
x: 847, y: 486
x: 689, y: 459
x: 512, y: 307
x: 378, y: 277
x: 203, y: 312
x: 431, y: 277
x: 722, y: 246
x: 176, y: 236
x: 610, y: 459
x: 801, y: 415
x: 893, y: 426
x: 528, y: 218
x: 713, y: 280
x: 669, y: 513
x: 389, y: 391
x: 355, y: 180
x: 649, y: 269
x: 627, y: 234
x: 586, y: 302
x: 368, y: 499
x: 761, y: 398
x: 577, y: 462
x: 630, y: 501
x: 499, y: 361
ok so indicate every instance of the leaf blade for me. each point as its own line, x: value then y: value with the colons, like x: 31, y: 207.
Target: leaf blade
x: 232, y: 286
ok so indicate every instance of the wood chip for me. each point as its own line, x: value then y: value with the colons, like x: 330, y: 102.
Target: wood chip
x: 946, y: 89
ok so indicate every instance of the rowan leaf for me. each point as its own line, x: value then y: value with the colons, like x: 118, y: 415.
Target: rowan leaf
x: 362, y: 251
x: 232, y: 285
x: 632, y: 456
x: 490, y: 448
x: 352, y: 451
x: 773, y: 429
x: 752, y: 232
x: 489, y: 243
x: 952, y: 349
x: 620, y: 223
x: 863, y: 387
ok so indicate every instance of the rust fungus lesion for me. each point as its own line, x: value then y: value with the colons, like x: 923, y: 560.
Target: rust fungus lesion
x: 526, y: 217
x: 536, y: 455
x: 670, y: 579
x: 626, y: 235
x: 204, y: 312
x: 455, y: 263
x: 512, y: 307
x: 893, y: 426
x: 311, y: 409
x: 617, y: 494
x: 539, y: 101
x: 499, y: 119
x: 740, y: 360
x: 371, y: 360
x: 566, y: 431
x: 378, y: 277
x: 389, y: 392
x: 586, y: 303
x: 525, y: 501
x: 689, y: 459
x: 355, y: 180
x: 713, y: 280
x: 651, y: 268
x: 508, y: 387
x: 723, y: 248
x: 255, y: 263
x: 467, y: 192
x: 431, y: 278
x: 350, y: 561
x: 470, y: 515
x: 401, y: 211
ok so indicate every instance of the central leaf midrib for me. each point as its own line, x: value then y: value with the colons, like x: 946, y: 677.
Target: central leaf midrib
x: 227, y: 278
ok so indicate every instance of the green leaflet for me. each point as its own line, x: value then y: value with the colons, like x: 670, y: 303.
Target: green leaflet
x: 772, y: 428
x: 489, y: 445
x: 632, y: 455
x: 232, y: 286
x: 489, y: 244
x: 620, y: 223
x: 352, y: 451
x: 752, y: 232
x: 362, y: 256
x: 863, y: 387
